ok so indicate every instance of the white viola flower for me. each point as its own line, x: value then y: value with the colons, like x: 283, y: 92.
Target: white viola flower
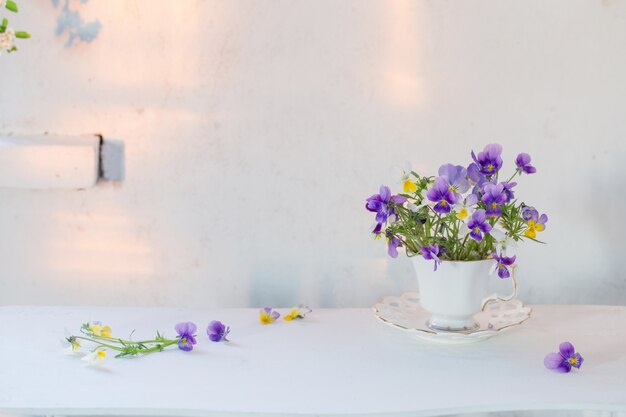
x: 464, y: 209
x: 502, y: 240
x: 407, y: 180
x: 412, y: 207
x: 97, y: 357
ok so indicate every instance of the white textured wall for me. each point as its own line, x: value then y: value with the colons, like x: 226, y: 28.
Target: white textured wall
x: 255, y: 130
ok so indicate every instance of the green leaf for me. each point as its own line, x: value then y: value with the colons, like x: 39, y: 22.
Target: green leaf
x: 12, y: 50
x: 11, y: 6
x: 3, y: 26
x: 22, y: 35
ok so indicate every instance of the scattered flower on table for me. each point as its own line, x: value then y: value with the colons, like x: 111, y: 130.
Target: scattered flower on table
x: 97, y: 329
x: 97, y: 357
x: 502, y: 264
x: 299, y: 312
x: 186, y: 335
x: 217, y: 331
x: 268, y: 315
x: 94, y: 338
x: 564, y: 360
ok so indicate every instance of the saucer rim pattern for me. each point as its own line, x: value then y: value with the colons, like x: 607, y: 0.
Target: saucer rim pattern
x: 435, y: 334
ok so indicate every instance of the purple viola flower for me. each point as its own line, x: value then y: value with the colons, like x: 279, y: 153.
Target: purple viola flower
x: 457, y: 179
x: 217, y: 331
x: 393, y: 243
x: 489, y: 160
x: 441, y: 194
x: 493, y: 197
x: 186, y: 335
x: 475, y: 177
x: 502, y: 263
x: 380, y: 204
x: 508, y: 190
x: 478, y: 225
x: 564, y: 359
x: 523, y: 164
x: 431, y: 252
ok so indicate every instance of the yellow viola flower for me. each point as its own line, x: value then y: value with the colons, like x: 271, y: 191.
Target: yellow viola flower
x: 533, y: 228
x: 299, y: 312
x: 268, y: 315
x: 99, y: 330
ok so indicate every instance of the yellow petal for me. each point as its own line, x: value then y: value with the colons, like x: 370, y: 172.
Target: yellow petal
x: 106, y: 331
x: 530, y: 232
x: 540, y: 227
x: 461, y: 213
x: 409, y: 186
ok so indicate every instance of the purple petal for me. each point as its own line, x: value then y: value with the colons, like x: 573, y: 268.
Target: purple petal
x: 385, y: 193
x: 433, y: 195
x: 185, y: 328
x: 471, y: 200
x: 442, y: 208
x: 373, y: 204
x: 215, y: 337
x: 391, y: 250
x: 555, y: 362
x: 476, y: 235
x: 509, y: 261
x: 522, y: 159
x: 275, y: 315
x: 503, y: 271
x: 579, y: 360
x: 529, y: 169
x: 398, y: 199
x: 479, y: 216
x: 378, y: 228
x: 185, y: 346
x: 494, y: 150
x: 567, y: 350
x: 543, y: 219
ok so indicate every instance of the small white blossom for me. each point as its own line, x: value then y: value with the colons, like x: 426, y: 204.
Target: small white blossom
x: 6, y: 39
x: 96, y: 357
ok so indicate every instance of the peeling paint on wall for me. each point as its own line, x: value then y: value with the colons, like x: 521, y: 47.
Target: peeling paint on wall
x: 70, y: 22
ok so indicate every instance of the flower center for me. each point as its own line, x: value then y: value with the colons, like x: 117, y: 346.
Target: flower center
x: 476, y: 229
x: 444, y: 203
x: 490, y: 167
x: 102, y: 354
x: 184, y: 341
x: 494, y: 205
x: 573, y: 361
x: 501, y: 266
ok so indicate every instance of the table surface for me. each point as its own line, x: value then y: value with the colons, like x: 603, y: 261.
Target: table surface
x: 336, y: 362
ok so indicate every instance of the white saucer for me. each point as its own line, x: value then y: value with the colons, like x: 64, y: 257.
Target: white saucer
x: 406, y: 313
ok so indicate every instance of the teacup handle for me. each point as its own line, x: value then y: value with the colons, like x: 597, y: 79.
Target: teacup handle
x: 498, y: 297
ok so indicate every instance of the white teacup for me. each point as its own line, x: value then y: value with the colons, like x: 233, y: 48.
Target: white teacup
x: 456, y: 291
